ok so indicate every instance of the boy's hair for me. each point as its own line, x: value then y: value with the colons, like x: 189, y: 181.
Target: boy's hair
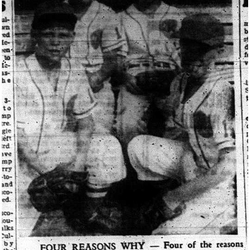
x: 202, y: 29
x: 54, y: 11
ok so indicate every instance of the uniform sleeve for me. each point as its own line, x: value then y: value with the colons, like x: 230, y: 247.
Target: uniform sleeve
x: 84, y: 100
x: 223, y: 116
x: 113, y: 37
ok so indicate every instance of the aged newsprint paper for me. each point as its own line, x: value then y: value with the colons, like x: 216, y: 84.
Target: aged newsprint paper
x: 124, y: 124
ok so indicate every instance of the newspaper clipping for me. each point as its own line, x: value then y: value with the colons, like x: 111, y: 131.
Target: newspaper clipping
x: 124, y: 124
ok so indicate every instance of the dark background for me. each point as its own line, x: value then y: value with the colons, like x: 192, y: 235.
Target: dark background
x: 122, y: 4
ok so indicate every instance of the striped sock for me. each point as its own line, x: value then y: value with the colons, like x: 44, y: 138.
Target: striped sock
x: 96, y: 192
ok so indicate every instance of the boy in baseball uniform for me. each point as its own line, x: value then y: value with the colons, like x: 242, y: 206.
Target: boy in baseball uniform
x: 54, y: 114
x: 98, y: 44
x: 151, y: 63
x: 198, y: 150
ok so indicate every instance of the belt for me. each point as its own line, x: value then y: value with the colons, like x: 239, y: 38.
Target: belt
x: 91, y: 65
x: 162, y: 65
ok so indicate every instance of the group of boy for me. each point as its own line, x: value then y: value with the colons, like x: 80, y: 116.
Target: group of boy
x: 66, y: 113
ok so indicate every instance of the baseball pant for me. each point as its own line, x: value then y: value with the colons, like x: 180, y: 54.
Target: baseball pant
x: 158, y: 159
x: 105, y: 165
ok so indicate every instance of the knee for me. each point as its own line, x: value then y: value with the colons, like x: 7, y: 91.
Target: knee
x: 136, y: 149
x: 112, y: 142
x: 107, y: 166
x: 136, y: 144
x: 108, y: 144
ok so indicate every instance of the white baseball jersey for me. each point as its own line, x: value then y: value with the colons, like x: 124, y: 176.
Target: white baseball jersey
x: 47, y: 113
x: 149, y: 47
x: 43, y: 111
x: 48, y: 118
x: 99, y: 30
x: 43, y: 114
x: 208, y: 117
x: 151, y: 36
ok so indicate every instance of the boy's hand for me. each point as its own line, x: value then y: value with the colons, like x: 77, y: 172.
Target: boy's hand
x: 131, y: 85
x: 95, y: 81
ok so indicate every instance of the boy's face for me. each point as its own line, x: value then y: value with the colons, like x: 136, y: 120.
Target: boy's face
x: 54, y: 42
x: 196, y: 63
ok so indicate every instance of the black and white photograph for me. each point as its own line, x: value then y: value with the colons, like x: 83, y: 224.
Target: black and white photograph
x: 129, y: 121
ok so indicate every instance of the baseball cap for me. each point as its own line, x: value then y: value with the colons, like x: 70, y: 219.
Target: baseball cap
x: 54, y: 11
x: 204, y: 29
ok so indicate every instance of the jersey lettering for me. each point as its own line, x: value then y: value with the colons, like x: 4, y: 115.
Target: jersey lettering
x: 96, y: 38
x: 202, y: 123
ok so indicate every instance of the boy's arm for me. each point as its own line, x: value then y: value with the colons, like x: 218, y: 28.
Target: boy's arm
x: 29, y: 155
x: 114, y: 49
x: 109, y: 66
x: 84, y: 135
x: 223, y: 170
x: 222, y: 122
x: 84, y: 103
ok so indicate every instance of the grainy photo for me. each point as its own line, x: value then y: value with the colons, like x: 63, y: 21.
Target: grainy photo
x: 125, y: 115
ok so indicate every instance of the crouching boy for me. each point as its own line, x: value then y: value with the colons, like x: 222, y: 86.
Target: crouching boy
x: 55, y: 124
x: 198, y: 150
